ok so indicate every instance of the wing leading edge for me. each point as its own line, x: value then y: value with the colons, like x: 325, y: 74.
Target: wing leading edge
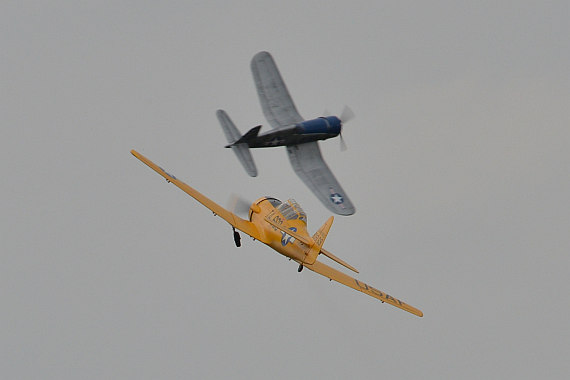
x: 237, y: 222
x: 353, y: 283
x: 308, y: 163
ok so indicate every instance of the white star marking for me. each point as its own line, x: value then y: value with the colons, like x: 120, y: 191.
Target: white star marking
x: 336, y: 198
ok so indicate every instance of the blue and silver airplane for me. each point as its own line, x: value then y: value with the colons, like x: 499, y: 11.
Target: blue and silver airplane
x: 298, y: 135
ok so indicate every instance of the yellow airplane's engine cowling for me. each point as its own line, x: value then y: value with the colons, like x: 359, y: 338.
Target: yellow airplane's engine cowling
x: 256, y: 207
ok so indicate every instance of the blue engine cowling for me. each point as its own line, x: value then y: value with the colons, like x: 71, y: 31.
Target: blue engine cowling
x: 329, y: 125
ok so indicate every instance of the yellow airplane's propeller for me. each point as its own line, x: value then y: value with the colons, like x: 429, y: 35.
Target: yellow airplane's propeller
x: 239, y: 205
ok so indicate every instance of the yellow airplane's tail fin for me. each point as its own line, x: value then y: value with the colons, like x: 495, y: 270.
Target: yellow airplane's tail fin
x: 319, y: 239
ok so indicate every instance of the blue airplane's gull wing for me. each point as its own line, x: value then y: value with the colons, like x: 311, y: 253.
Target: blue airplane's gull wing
x: 277, y: 105
x: 306, y: 158
x: 308, y: 163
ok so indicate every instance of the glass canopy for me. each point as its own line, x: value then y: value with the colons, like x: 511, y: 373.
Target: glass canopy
x: 292, y: 210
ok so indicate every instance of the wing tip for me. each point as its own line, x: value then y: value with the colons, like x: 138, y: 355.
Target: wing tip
x: 413, y: 310
x: 343, y: 212
x: 260, y: 54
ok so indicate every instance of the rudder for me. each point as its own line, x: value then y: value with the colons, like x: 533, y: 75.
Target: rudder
x: 319, y: 239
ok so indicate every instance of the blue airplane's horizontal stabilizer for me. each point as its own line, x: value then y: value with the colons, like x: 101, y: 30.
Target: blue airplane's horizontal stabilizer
x: 241, y: 149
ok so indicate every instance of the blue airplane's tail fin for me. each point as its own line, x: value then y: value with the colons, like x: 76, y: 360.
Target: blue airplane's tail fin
x: 249, y: 136
x: 238, y: 142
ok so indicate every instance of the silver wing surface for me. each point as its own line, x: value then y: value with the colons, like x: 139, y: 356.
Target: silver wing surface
x: 277, y: 105
x: 309, y: 165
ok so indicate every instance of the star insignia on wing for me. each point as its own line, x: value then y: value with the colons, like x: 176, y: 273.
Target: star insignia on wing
x: 336, y: 198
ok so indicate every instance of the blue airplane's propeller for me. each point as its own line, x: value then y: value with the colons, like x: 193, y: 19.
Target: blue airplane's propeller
x: 345, y: 117
x: 342, y: 143
x: 346, y: 114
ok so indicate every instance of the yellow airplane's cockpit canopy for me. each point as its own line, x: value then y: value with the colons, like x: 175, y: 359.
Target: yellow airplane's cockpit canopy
x: 292, y: 210
x: 274, y: 201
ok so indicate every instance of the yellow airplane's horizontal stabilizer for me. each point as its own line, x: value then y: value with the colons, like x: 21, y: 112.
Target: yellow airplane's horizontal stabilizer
x: 338, y: 260
x: 308, y: 241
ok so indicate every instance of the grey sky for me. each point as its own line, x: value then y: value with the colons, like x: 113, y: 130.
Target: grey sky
x: 458, y: 165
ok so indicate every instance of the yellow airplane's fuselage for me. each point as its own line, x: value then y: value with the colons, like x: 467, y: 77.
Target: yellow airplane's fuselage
x: 281, y: 242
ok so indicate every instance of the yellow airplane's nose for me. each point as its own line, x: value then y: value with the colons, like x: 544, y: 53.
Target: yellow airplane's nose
x: 255, y: 208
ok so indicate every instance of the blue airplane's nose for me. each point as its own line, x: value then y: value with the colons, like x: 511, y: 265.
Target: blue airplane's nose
x: 330, y: 125
x: 335, y: 124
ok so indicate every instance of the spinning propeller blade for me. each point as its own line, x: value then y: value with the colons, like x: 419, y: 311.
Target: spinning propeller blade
x: 342, y: 143
x: 239, y: 205
x: 345, y: 117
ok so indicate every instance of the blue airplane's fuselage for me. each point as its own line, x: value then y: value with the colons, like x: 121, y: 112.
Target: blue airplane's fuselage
x: 321, y: 128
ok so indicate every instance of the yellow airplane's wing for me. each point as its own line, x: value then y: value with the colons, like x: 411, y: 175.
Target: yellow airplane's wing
x: 239, y: 223
x: 344, y: 279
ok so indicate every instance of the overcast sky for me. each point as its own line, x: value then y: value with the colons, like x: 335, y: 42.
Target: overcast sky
x: 458, y: 164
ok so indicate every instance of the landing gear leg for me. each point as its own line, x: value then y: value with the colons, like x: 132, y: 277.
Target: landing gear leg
x: 237, y: 238
x: 300, y: 268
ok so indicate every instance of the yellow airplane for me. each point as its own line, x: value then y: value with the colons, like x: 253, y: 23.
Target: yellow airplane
x: 283, y: 227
